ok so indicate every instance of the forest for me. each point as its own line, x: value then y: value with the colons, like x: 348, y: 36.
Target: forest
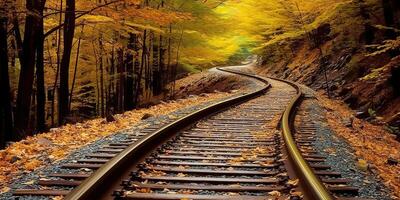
x: 64, y: 61
x: 200, y: 99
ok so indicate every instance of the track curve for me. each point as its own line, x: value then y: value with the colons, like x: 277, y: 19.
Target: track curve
x: 219, y: 153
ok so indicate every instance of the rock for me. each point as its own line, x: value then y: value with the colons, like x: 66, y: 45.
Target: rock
x: 14, y: 159
x: 204, y: 95
x: 44, y: 141
x: 146, y: 116
x: 192, y: 96
x: 110, y: 118
x: 54, y: 130
x: 392, y: 161
x: 9, y: 143
x: 361, y: 115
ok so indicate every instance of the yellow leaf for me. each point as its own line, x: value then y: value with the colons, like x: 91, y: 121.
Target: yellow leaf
x: 275, y: 193
x: 362, y: 164
x: 58, y: 198
x: 293, y: 182
x: 29, y: 183
x: 4, y: 190
x: 296, y: 193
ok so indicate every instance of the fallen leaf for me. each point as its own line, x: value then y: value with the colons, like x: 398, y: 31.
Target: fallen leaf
x: 233, y: 193
x: 29, y: 182
x: 293, y: 182
x: 275, y: 193
x: 4, y: 190
x: 144, y: 190
x: 362, y: 164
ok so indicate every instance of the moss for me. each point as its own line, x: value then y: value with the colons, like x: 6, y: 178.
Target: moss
x: 376, y: 73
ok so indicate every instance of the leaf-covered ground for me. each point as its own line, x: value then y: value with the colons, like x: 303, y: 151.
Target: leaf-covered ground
x: 376, y: 148
x: 43, y: 149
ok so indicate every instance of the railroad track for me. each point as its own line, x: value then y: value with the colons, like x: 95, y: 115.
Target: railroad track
x: 239, y: 148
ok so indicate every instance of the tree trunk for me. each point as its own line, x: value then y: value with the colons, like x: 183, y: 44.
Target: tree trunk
x: 369, y: 34
x: 121, y: 80
x: 58, y: 67
x: 102, y: 99
x: 389, y: 18
x: 75, y: 70
x: 129, y: 104
x: 136, y: 68
x: 40, y: 87
x: 146, y: 67
x: 69, y: 29
x: 139, y: 79
x: 111, y: 85
x: 97, y: 79
x: 5, y: 100
x: 156, y: 84
x: 18, y: 39
x: 177, y: 64
x: 169, y: 74
x: 26, y: 77
x: 163, y: 72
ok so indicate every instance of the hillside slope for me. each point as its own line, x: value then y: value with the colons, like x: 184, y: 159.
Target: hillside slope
x: 354, y: 52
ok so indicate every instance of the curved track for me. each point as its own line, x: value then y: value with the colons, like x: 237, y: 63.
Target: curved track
x: 233, y: 149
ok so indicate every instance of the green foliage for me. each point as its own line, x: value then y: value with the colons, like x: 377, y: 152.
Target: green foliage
x: 371, y: 112
x: 376, y: 73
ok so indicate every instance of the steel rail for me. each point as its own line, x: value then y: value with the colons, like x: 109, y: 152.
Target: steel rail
x: 314, y: 186
x: 91, y: 187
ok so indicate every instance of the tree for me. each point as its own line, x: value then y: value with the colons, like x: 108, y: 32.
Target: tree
x: 389, y: 18
x: 25, y: 85
x: 41, y: 94
x: 5, y: 100
x: 135, y: 37
x: 69, y: 30
x: 129, y: 104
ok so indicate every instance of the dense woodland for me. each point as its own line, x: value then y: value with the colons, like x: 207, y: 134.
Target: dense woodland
x: 63, y: 61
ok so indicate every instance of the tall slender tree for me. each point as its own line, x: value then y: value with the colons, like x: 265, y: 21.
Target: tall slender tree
x: 69, y: 30
x: 142, y: 66
x: 25, y: 85
x: 40, y: 87
x: 101, y: 66
x: 5, y: 100
x: 129, y: 73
